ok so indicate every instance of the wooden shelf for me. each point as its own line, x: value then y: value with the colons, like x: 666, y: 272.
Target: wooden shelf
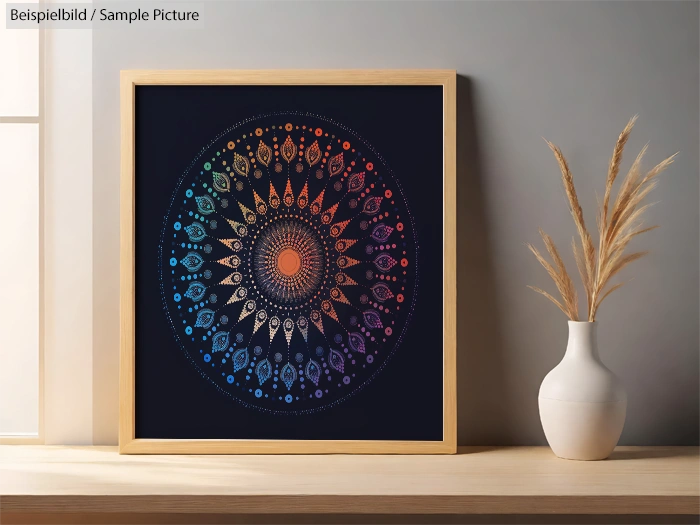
x: 47, y: 482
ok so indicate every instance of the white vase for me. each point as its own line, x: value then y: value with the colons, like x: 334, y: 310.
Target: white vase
x: 582, y: 403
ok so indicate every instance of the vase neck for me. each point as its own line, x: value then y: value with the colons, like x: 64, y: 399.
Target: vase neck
x: 583, y: 341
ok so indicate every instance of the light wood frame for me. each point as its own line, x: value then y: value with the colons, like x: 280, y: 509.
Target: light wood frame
x: 128, y: 444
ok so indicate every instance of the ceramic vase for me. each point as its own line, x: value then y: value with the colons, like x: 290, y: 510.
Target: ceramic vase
x: 582, y: 403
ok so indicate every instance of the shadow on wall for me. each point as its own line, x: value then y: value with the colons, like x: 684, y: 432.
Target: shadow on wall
x: 482, y: 396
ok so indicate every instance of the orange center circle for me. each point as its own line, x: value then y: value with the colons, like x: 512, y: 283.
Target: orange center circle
x: 288, y: 261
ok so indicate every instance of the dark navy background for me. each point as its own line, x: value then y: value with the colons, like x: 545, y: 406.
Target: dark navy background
x: 404, y: 125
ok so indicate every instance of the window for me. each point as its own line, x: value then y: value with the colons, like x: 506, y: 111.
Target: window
x: 20, y: 260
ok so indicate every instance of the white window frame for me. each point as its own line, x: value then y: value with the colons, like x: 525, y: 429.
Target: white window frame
x: 38, y: 438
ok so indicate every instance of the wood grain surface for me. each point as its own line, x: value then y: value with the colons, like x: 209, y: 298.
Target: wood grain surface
x: 524, y: 480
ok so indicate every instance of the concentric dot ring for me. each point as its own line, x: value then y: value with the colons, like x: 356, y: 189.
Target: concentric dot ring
x: 289, y: 263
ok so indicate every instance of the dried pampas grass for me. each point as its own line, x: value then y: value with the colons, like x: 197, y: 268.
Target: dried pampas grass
x: 617, y: 226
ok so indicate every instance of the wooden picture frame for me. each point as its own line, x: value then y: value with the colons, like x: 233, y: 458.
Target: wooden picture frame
x: 128, y: 443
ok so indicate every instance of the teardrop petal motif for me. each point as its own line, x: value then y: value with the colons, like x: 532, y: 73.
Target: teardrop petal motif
x: 288, y: 197
x: 288, y: 327
x: 248, y: 308
x: 260, y: 205
x: 313, y: 153
x: 196, y: 231
x: 345, y: 262
x: 316, y: 320
x: 232, y: 261
x: 381, y: 232
x: 239, y: 295
x: 233, y: 280
x: 240, y: 164
x: 356, y: 342
x: 384, y: 262
x: 260, y: 319
x: 192, y: 261
x: 344, y: 279
x: 205, y: 318
x: 263, y: 371
x: 248, y: 214
x: 234, y: 244
x: 274, y: 198
x: 336, y: 360
x: 274, y: 326
x: 288, y: 375
x: 195, y: 291
x: 240, y: 229
x: 219, y: 342
x: 356, y: 182
x: 313, y: 371
x: 240, y: 359
x: 338, y: 228
x: 205, y: 204
x: 327, y: 216
x: 372, y: 319
x: 343, y: 244
x: 372, y: 205
x: 327, y: 308
x: 221, y: 183
x: 303, y: 198
x: 339, y: 296
x: 336, y: 164
x: 381, y: 292
x: 264, y: 154
x: 315, y: 207
x: 288, y: 149
x: 303, y: 325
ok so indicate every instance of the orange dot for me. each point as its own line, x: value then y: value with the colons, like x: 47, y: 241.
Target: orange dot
x: 258, y: 132
x: 388, y: 194
x: 404, y: 262
x: 370, y: 166
x: 288, y: 126
x: 288, y: 262
x: 346, y: 145
x: 231, y: 145
x: 399, y: 298
x: 318, y: 132
x: 399, y: 226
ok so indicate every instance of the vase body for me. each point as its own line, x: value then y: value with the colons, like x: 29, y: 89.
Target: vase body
x: 582, y: 403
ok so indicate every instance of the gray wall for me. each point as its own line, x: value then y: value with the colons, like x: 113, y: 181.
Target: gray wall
x: 573, y: 72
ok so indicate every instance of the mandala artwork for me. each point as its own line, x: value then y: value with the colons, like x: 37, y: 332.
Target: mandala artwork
x: 289, y: 263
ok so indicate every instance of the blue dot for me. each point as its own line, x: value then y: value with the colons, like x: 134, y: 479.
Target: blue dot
x: 207, y: 358
x: 229, y: 379
x: 288, y: 398
x: 188, y: 330
x: 258, y: 393
x: 177, y: 297
x: 177, y: 226
x: 189, y: 193
x: 183, y: 245
x: 173, y: 261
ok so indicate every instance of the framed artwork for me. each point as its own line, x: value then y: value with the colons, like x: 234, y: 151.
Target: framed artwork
x: 288, y: 262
